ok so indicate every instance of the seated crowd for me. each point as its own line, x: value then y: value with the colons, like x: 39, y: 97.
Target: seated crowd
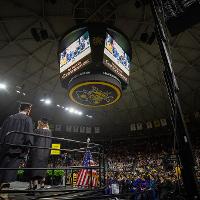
x: 149, y: 174
x: 153, y: 174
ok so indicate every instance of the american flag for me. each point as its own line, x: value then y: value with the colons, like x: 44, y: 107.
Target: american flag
x: 85, y: 176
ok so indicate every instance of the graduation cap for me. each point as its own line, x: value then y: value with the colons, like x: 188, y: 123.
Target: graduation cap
x: 24, y: 105
x: 44, y: 120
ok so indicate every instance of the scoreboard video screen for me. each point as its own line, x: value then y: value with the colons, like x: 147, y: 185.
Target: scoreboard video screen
x: 75, y: 52
x: 116, y: 58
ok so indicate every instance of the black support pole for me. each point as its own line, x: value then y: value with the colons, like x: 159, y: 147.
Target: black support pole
x: 179, y: 126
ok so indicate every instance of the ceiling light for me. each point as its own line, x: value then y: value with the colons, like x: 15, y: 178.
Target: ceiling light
x: 42, y: 100
x: 3, y: 86
x: 79, y: 113
x: 47, y: 101
x: 24, y: 94
x: 71, y: 110
x: 66, y: 108
x: 18, y: 91
x: 63, y: 107
x: 58, y: 105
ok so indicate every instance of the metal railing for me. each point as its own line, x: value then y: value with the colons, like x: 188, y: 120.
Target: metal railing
x: 71, y: 168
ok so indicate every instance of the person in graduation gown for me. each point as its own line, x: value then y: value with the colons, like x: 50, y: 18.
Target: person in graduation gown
x: 11, y: 156
x: 38, y: 158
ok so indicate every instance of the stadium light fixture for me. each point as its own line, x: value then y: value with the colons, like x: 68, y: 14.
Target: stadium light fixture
x: 47, y: 101
x: 3, y: 86
x: 71, y: 110
x: 80, y: 113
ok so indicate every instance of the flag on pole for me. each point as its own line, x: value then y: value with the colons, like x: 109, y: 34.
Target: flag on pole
x: 85, y: 176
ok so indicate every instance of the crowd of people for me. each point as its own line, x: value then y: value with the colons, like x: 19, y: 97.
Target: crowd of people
x: 149, y: 173
x: 146, y: 174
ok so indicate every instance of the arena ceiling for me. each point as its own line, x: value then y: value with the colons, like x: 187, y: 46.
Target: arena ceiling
x: 33, y: 66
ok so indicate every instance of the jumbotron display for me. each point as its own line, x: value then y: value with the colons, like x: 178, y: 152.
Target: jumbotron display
x: 94, y: 64
x: 116, y: 58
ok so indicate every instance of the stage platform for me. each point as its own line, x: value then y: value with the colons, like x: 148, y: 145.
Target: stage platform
x: 18, y: 191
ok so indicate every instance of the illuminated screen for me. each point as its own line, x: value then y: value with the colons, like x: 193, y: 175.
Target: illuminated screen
x: 75, y: 52
x: 116, y: 54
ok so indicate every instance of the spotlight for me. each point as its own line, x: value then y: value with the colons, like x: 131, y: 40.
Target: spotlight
x: 58, y: 105
x: 24, y: 94
x: 66, y: 108
x: 3, y: 86
x: 35, y: 34
x: 18, y: 91
x: 47, y: 101
x: 63, y: 107
x: 42, y: 100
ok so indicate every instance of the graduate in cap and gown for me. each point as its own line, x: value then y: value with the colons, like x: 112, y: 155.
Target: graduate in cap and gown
x: 11, y: 156
x: 38, y: 158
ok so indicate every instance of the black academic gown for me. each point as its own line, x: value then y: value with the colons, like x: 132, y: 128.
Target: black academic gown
x: 38, y: 158
x: 11, y: 156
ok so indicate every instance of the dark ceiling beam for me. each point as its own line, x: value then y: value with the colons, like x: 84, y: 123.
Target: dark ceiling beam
x: 185, y: 95
x: 7, y: 19
x: 4, y: 73
x: 30, y: 54
x: 159, y: 80
x: 22, y: 32
x: 157, y: 57
x: 76, y: 5
x: 20, y: 5
x: 193, y: 36
x: 189, y: 64
x: 31, y: 39
x: 39, y: 15
x: 148, y: 88
x: 44, y: 67
x: 5, y: 32
x: 139, y: 25
x: 134, y: 20
x: 186, y: 47
x: 30, y: 75
x: 13, y: 55
x: 97, y: 10
x: 45, y: 63
x: 55, y: 36
x: 114, y: 10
